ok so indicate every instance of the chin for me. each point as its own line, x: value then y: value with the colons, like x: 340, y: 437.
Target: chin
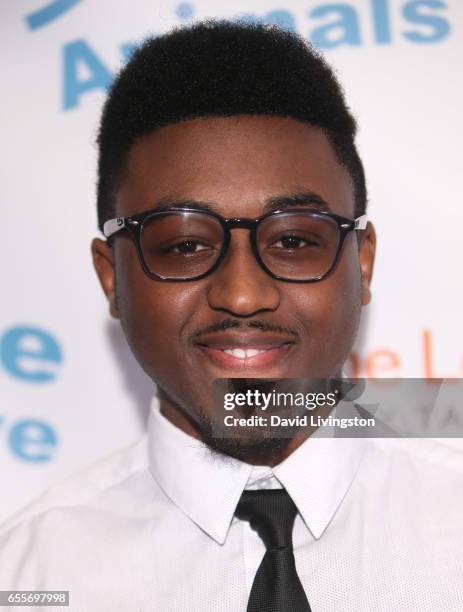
x: 256, y: 445
x: 264, y: 451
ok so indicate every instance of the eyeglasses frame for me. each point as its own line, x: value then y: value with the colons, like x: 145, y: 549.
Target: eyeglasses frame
x: 134, y: 225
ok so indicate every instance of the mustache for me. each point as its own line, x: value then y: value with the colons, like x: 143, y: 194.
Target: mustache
x: 230, y: 323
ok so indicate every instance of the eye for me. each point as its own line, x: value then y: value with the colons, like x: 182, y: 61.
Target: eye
x: 188, y: 247
x: 292, y: 242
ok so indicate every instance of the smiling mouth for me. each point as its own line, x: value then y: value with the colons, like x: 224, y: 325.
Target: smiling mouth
x: 240, y: 353
x: 239, y: 357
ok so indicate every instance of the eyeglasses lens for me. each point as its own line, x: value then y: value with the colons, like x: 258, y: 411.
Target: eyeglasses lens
x: 298, y: 246
x: 181, y: 245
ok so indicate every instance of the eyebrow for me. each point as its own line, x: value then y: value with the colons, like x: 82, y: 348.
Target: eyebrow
x: 278, y: 202
x: 167, y: 204
x: 304, y: 198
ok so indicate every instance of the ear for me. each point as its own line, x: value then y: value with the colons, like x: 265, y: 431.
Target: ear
x: 367, y: 250
x: 103, y: 262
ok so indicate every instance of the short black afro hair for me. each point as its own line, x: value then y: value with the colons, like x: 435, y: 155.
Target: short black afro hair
x: 222, y: 69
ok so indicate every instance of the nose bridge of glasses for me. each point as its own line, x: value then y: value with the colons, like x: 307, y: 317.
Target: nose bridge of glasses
x: 235, y: 249
x: 238, y: 223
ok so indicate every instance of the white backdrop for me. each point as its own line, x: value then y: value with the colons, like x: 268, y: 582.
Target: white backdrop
x: 70, y: 390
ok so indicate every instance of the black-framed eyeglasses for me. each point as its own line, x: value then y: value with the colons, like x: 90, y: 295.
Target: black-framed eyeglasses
x: 186, y: 244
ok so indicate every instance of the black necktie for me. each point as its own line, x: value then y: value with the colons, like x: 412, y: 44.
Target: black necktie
x: 276, y: 587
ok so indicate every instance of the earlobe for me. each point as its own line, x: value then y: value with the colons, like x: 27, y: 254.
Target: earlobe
x: 103, y: 262
x: 367, y: 250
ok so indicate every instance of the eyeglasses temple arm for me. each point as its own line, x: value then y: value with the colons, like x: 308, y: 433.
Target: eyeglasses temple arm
x: 361, y: 222
x: 113, y: 225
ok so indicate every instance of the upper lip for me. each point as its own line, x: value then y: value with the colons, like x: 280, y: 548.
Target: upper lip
x: 243, y: 339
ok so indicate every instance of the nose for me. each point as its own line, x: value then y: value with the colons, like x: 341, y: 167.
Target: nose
x: 240, y: 286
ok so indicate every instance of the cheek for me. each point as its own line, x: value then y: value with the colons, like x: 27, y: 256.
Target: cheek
x: 329, y: 311
x: 345, y: 298
x: 152, y: 314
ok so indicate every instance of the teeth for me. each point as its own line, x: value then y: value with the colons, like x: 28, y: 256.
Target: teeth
x: 243, y: 353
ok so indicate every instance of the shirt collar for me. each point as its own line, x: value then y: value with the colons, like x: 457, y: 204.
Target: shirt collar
x: 318, y: 475
x: 207, y: 486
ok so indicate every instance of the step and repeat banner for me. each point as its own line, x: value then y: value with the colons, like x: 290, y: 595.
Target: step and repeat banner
x: 70, y: 391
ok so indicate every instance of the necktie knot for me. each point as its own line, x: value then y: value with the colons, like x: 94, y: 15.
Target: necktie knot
x: 271, y: 513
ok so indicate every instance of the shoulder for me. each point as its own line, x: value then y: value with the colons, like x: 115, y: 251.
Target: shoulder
x: 81, y: 525
x: 84, y: 487
x: 444, y: 455
x: 410, y: 467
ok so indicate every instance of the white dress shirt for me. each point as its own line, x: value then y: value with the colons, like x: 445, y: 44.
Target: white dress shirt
x: 152, y: 528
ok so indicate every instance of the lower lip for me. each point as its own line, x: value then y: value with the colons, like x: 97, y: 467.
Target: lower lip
x: 268, y: 358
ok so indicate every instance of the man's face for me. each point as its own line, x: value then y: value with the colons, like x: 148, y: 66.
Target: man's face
x: 180, y: 331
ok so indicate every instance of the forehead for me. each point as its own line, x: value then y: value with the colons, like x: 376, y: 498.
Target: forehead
x: 235, y: 164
